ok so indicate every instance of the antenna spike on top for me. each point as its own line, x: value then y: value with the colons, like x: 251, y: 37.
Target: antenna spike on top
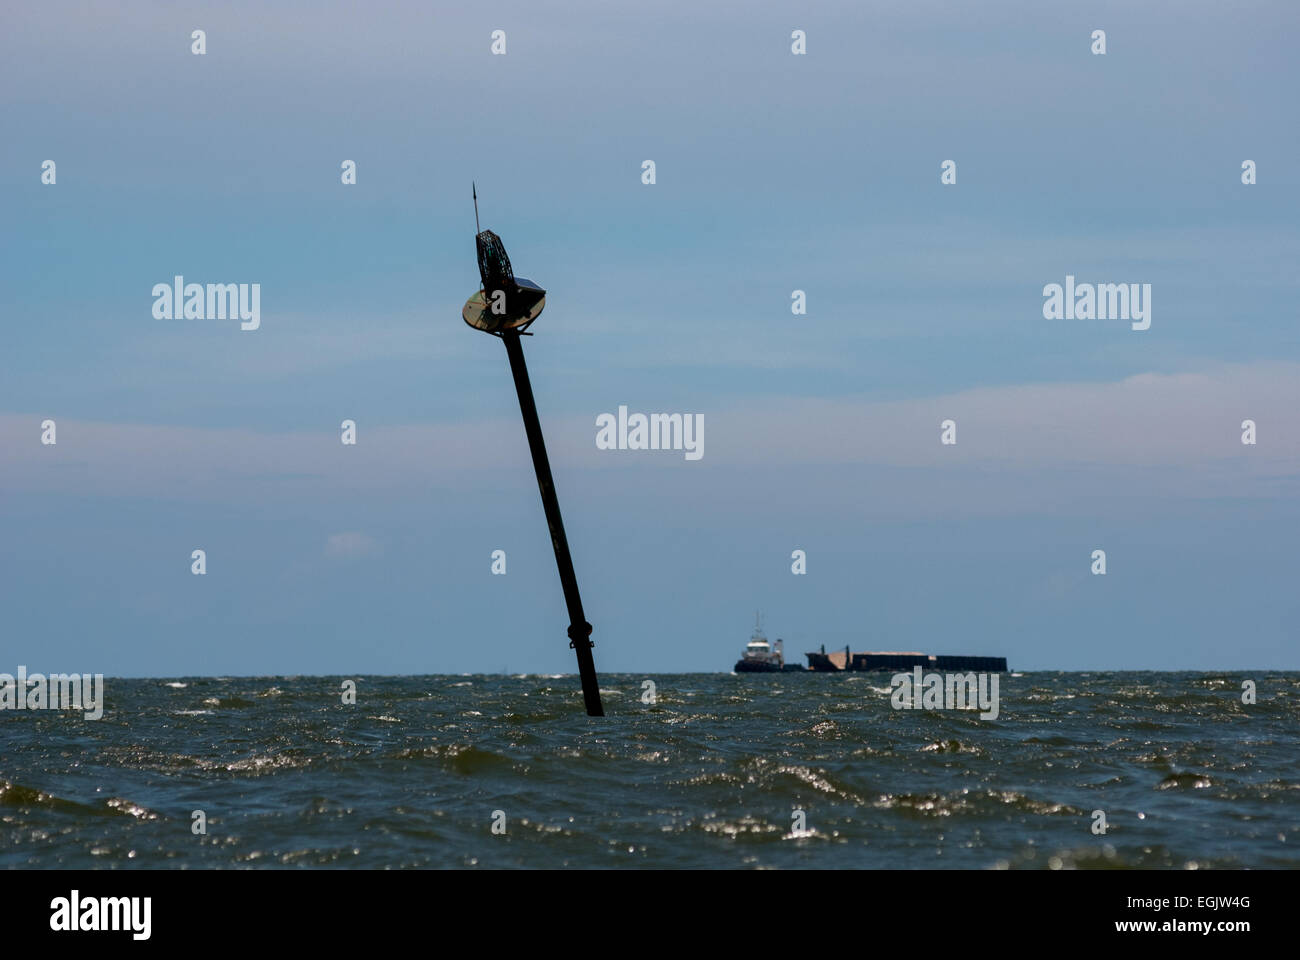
x: 474, y: 187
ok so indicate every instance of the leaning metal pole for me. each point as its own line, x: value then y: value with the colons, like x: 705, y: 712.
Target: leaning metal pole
x: 579, y: 628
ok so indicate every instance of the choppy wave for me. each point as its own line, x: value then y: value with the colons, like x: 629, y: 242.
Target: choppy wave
x: 721, y: 770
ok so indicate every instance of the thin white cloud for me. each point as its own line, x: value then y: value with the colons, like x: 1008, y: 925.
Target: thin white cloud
x: 1189, y: 421
x: 351, y: 544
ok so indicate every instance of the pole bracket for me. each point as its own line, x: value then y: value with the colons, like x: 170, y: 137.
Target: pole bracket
x: 577, y: 633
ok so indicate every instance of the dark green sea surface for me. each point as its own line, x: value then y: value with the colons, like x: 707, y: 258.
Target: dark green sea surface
x: 710, y: 775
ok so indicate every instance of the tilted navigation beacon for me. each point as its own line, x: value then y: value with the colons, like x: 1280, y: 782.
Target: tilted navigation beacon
x: 505, y: 302
x: 505, y: 306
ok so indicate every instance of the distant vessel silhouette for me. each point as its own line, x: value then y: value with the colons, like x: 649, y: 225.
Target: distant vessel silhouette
x: 763, y: 657
x: 840, y: 661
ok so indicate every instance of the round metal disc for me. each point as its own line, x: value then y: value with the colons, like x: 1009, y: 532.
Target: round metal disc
x: 479, y: 316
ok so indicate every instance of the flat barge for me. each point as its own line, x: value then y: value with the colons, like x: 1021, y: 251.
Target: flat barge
x: 843, y: 661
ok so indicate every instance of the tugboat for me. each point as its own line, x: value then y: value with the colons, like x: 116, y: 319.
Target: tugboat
x: 763, y: 657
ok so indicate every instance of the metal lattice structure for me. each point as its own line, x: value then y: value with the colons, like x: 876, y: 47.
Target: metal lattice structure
x: 505, y: 302
x: 494, y: 263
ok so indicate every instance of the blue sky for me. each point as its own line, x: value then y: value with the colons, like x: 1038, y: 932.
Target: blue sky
x: 774, y: 173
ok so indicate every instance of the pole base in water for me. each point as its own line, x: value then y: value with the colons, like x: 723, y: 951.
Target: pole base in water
x: 579, y: 628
